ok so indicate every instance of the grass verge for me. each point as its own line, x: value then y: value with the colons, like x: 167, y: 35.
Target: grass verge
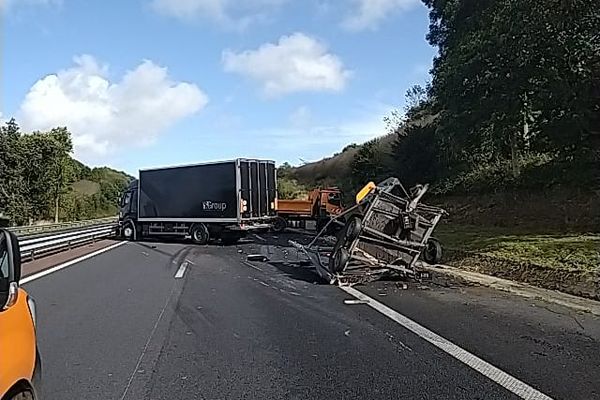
x: 569, y: 262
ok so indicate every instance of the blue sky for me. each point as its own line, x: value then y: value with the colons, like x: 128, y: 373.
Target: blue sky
x: 160, y: 82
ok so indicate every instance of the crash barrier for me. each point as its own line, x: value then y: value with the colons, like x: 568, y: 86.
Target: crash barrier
x: 28, y: 230
x: 388, y: 230
x: 32, y: 248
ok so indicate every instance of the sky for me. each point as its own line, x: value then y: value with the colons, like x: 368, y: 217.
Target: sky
x: 143, y: 83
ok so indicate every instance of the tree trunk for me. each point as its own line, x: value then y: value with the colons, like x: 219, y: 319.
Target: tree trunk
x: 514, y: 155
x: 56, y: 204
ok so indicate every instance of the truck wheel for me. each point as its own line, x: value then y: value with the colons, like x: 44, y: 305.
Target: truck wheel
x: 129, y: 231
x: 199, y: 234
x: 432, y: 253
x: 279, y: 224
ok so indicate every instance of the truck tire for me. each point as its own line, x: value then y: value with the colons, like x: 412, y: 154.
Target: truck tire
x: 199, y: 234
x: 129, y: 231
x: 432, y: 253
x: 279, y: 224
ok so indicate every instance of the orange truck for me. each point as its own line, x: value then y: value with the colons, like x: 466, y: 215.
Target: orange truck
x: 319, y: 206
x: 20, y: 366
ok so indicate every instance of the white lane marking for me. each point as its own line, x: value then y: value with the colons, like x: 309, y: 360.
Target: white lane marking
x: 181, y: 270
x: 68, y: 263
x: 511, y: 383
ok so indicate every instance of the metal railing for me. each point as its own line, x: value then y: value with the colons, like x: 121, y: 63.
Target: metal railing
x: 27, y: 230
x: 31, y: 248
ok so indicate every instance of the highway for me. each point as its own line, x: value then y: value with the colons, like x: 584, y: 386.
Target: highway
x: 150, y: 320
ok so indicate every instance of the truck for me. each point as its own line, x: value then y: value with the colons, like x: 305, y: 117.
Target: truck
x: 319, y: 206
x: 216, y: 200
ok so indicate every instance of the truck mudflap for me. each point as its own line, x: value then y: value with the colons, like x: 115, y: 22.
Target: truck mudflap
x: 384, y: 234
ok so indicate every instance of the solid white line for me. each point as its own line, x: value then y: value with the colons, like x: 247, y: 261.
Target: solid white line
x: 181, y: 270
x: 68, y: 263
x: 511, y: 383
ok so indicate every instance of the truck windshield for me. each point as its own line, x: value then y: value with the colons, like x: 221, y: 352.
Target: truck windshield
x: 335, y: 199
x: 125, y: 199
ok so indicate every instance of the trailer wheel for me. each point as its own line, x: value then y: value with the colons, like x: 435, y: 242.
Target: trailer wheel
x: 432, y: 253
x: 279, y: 224
x: 338, y: 260
x: 353, y: 229
x: 199, y: 234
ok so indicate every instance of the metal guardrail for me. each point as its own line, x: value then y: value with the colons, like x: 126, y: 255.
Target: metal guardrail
x: 53, y: 243
x: 35, y: 229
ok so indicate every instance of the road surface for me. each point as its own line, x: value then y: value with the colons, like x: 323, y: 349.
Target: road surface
x: 177, y: 321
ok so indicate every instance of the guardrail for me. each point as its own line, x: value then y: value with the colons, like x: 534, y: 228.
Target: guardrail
x: 34, y: 229
x: 53, y: 243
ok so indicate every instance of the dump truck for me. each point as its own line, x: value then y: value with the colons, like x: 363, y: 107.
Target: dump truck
x: 216, y: 200
x: 319, y: 206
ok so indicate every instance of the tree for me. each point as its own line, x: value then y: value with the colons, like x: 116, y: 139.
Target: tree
x: 513, y: 76
x: 369, y: 164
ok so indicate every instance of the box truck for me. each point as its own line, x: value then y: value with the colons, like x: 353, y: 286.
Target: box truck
x: 218, y: 200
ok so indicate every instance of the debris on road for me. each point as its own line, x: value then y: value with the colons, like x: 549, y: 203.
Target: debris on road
x: 352, y: 302
x: 257, y: 257
x: 386, y: 232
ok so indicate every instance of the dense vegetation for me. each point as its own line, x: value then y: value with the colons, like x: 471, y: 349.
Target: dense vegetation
x: 39, y: 181
x: 514, y: 102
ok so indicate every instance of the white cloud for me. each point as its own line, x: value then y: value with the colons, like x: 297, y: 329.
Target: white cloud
x: 370, y: 13
x: 104, y: 116
x: 295, y: 63
x: 230, y: 14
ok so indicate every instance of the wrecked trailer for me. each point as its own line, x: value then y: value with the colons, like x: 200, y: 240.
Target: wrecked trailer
x: 387, y: 231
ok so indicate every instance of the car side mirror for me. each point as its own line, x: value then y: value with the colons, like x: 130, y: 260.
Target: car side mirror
x: 10, y: 268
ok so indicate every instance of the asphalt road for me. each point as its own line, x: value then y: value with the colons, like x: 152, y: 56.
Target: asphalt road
x: 120, y: 325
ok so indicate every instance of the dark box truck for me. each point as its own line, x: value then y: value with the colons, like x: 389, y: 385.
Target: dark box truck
x: 219, y: 200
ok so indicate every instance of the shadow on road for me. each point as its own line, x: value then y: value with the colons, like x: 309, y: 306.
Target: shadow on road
x: 300, y: 271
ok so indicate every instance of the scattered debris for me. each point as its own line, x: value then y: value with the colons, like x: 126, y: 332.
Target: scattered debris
x: 351, y: 302
x: 144, y: 253
x: 257, y: 257
x: 386, y: 232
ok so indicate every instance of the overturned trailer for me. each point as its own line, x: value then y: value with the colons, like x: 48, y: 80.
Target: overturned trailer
x: 387, y: 231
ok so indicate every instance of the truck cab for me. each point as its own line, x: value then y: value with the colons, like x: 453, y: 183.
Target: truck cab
x: 20, y: 366
x: 319, y: 206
